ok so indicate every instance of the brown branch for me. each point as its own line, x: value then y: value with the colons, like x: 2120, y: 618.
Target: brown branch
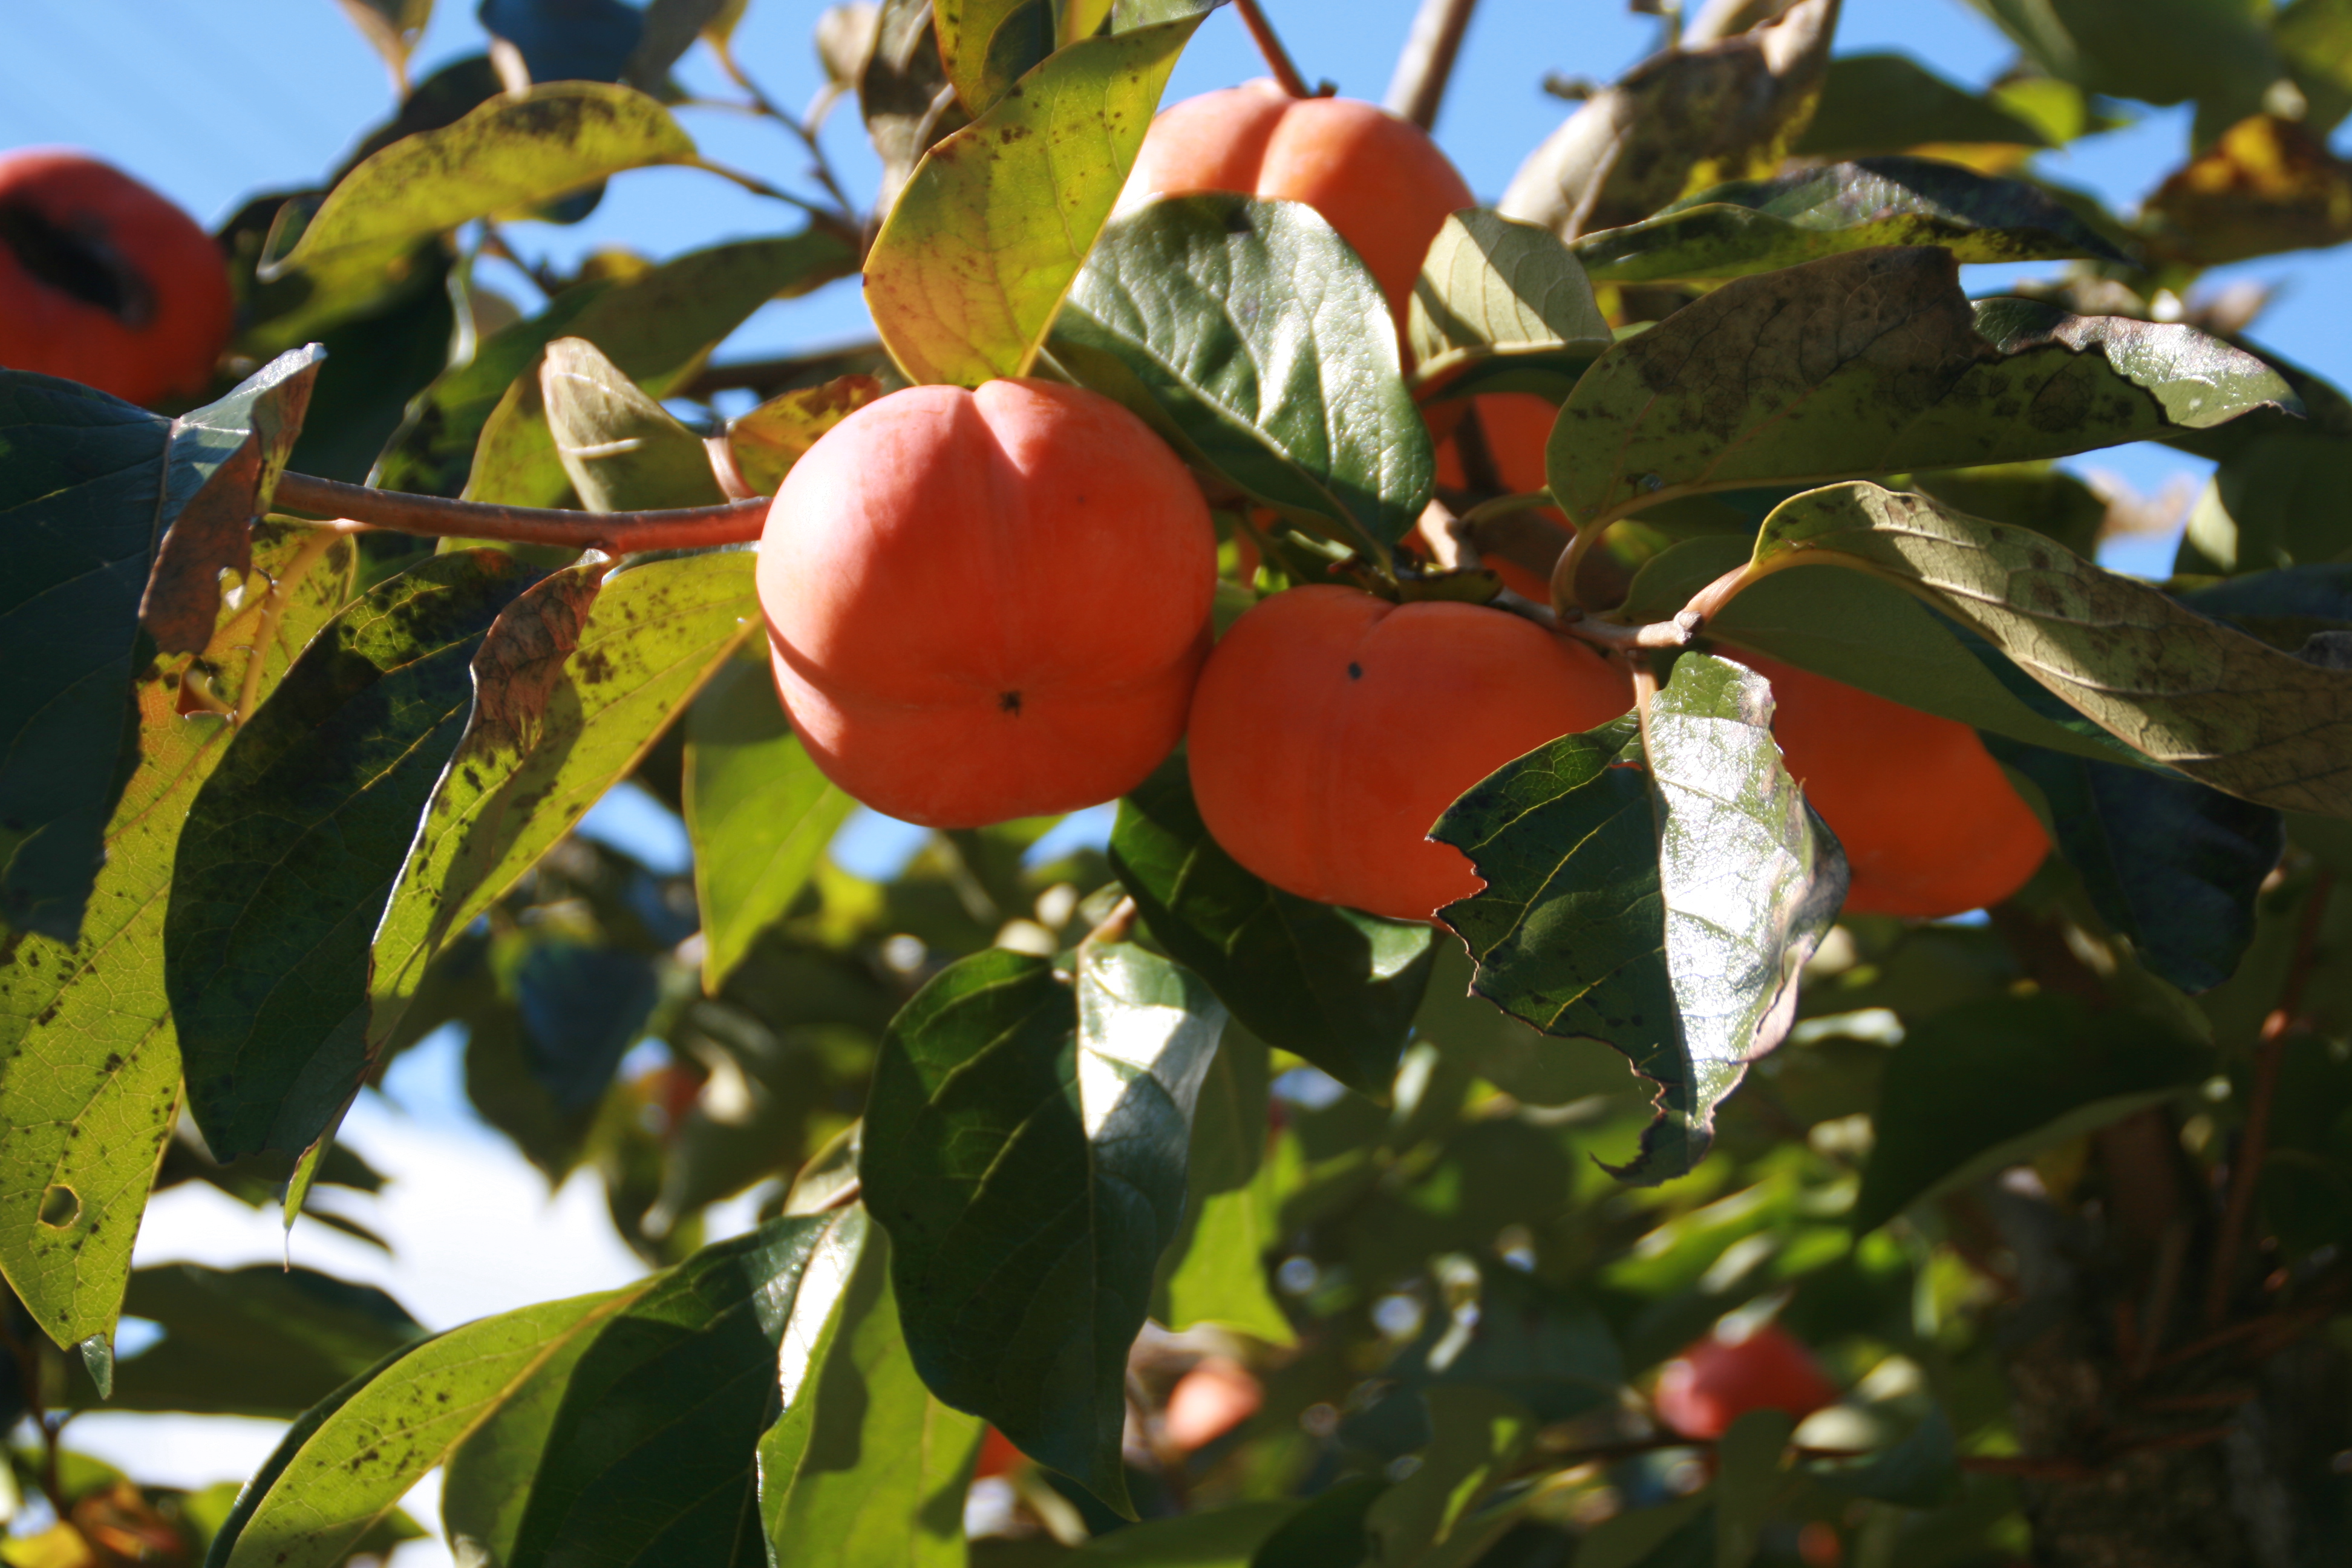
x: 615, y: 533
x: 2253, y: 1145
x: 1427, y: 63
x: 1277, y: 58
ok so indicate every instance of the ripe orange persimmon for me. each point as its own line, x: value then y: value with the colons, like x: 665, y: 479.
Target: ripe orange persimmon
x: 1377, y: 179
x: 987, y: 605
x: 1930, y: 823
x: 1332, y: 728
x: 1516, y: 425
x: 104, y: 281
x: 1215, y: 1397
x: 1716, y: 1381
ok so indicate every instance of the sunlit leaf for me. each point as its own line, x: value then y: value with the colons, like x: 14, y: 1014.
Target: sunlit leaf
x: 2267, y: 186
x: 622, y: 450
x: 1336, y: 986
x: 1494, y: 289
x: 1663, y: 908
x: 982, y: 242
x: 1216, y: 1269
x: 1025, y: 1148
x: 1478, y: 1437
x: 986, y: 45
x: 767, y: 441
x: 1756, y: 225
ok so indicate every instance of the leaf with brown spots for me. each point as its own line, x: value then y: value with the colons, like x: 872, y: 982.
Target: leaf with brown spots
x: 571, y: 687
x: 986, y: 45
x: 991, y: 228
x: 766, y: 442
x: 1876, y: 362
x: 89, y: 1066
x: 2206, y: 699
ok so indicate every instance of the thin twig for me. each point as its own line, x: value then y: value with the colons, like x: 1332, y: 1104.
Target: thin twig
x: 617, y: 533
x: 822, y: 167
x: 1662, y: 636
x: 824, y: 216
x: 1115, y: 926
x: 1427, y: 63
x: 1277, y: 58
x: 2253, y: 1145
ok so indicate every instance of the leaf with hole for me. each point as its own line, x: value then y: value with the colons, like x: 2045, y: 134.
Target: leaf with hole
x: 1024, y: 1146
x: 1663, y: 906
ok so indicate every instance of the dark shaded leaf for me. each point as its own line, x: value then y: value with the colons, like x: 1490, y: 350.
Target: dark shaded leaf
x: 89, y: 1066
x: 1922, y: 1471
x: 1756, y: 225
x: 1888, y: 103
x: 968, y: 268
x: 2268, y: 185
x: 1026, y: 1149
x: 1909, y: 376
x: 2159, y: 51
x: 2282, y: 499
x: 758, y: 810
x: 2171, y: 865
x: 2210, y: 701
x: 293, y: 846
x: 1681, y: 117
x: 1215, y: 1270
x: 567, y: 40
x: 1477, y: 1438
x: 1664, y: 909
x: 905, y: 94
x: 1333, y: 986
x: 1986, y: 1083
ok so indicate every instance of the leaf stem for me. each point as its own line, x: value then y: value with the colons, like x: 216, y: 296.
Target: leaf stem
x: 839, y: 223
x: 2253, y: 1145
x: 1277, y: 58
x: 822, y: 166
x: 1426, y: 65
x: 617, y: 533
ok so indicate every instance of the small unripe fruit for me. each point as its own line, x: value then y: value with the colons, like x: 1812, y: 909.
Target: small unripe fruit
x: 1716, y: 1381
x: 1377, y: 179
x: 987, y: 605
x: 1331, y: 729
x: 104, y: 281
x: 1930, y: 825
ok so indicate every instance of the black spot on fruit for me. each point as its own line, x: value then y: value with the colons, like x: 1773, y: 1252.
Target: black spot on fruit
x: 1009, y: 702
x: 1355, y: 670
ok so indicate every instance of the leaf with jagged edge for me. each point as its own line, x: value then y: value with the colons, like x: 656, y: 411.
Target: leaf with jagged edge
x: 572, y: 687
x: 1876, y: 362
x: 89, y: 1066
x: 2197, y: 695
x: 982, y: 243
x: 1494, y: 289
x: 1025, y: 1145
x: 622, y: 450
x: 294, y: 844
x: 1663, y: 906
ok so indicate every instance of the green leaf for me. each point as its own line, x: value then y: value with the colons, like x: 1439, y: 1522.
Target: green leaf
x: 2171, y: 865
x: 346, y: 1464
x: 504, y: 159
x: 1525, y: 1063
x: 1887, y: 103
x: 1756, y: 225
x: 2314, y: 38
x: 1333, y: 986
x: 987, y: 44
x: 1675, y: 1534
x: 1751, y: 1475
x: 1984, y: 1084
x: 119, y: 522
x: 1496, y: 289
x: 2159, y: 51
x: 1026, y: 1149
x: 572, y: 687
x: 1663, y: 910
x: 1479, y: 1436
x: 2210, y: 701
x: 1914, y: 377
x: 1236, y: 329
x: 2039, y: 496
x: 767, y: 440
x: 1922, y: 1471
x: 1555, y: 1356
x: 293, y: 845
x: 1216, y: 1271
x: 89, y: 1066
x: 260, y: 1341
x: 656, y: 331
x: 757, y: 809
x: 1680, y: 120
x: 864, y: 1465
x: 2282, y: 500
x: 971, y: 265
x: 1233, y: 1536
x: 622, y: 450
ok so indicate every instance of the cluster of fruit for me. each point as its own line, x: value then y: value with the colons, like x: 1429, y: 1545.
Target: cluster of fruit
x: 996, y: 604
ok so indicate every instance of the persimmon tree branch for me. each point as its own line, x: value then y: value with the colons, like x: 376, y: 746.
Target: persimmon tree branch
x: 617, y: 533
x: 1426, y: 65
x: 1277, y: 58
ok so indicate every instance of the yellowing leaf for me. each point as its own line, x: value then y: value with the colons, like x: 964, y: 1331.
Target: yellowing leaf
x: 975, y: 258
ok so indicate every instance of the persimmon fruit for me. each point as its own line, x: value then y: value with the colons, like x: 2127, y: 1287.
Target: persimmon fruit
x: 1209, y: 1400
x: 1332, y: 728
x: 984, y: 605
x: 1930, y: 823
x: 1376, y: 178
x: 1516, y: 426
x: 105, y: 281
x: 1716, y: 1380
